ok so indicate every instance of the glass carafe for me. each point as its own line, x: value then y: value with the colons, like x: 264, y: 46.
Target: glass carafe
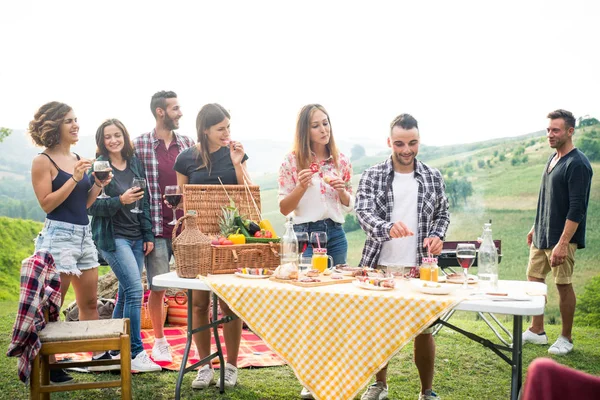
x: 487, y: 260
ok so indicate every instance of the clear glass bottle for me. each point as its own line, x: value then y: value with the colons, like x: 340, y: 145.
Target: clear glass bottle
x: 289, y: 245
x: 487, y: 260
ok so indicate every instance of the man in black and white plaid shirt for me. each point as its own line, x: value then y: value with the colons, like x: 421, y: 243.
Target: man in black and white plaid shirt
x: 402, y: 206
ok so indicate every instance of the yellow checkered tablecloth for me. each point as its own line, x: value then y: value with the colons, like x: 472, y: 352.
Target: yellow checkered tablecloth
x: 334, y: 337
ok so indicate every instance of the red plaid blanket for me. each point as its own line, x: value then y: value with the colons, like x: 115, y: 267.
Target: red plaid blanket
x: 253, y: 351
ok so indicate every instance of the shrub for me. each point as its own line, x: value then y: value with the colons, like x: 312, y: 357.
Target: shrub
x: 502, y: 157
x: 525, y: 159
x: 481, y: 164
x: 515, y: 161
x: 588, y: 304
x: 351, y: 223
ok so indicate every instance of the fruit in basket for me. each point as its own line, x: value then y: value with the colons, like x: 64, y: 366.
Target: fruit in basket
x: 258, y: 234
x: 227, y: 224
x: 227, y: 242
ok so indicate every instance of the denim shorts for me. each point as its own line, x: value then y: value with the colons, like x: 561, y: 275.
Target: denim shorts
x: 157, y: 262
x: 71, y: 246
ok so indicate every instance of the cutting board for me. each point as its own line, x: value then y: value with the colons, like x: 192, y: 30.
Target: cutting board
x: 324, y: 281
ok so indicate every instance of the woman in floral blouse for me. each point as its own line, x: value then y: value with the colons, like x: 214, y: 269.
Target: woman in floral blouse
x: 315, y: 182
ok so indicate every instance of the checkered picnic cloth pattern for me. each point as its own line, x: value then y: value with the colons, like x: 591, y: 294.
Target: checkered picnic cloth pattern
x: 334, y: 337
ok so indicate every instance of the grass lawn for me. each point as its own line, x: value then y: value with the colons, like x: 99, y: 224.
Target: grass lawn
x: 464, y: 369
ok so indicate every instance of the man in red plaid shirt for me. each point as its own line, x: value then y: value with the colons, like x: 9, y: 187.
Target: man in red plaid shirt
x: 158, y: 150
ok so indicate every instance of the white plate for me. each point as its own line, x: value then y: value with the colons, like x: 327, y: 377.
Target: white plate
x: 345, y: 273
x: 472, y: 279
x: 248, y: 276
x: 368, y: 286
x: 420, y: 286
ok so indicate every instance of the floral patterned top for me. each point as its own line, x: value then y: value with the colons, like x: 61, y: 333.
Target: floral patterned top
x: 320, y: 201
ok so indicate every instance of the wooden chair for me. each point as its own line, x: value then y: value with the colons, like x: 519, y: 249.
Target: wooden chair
x: 82, y: 336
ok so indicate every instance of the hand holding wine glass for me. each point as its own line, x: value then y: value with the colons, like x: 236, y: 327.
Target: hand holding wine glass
x: 138, y: 184
x: 465, y: 254
x: 173, y: 196
x: 102, y: 174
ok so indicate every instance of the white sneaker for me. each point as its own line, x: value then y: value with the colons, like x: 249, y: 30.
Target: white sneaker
x: 561, y: 347
x: 230, y: 376
x: 162, y: 352
x: 305, y: 394
x: 377, y: 391
x: 143, y: 363
x: 204, y: 379
x: 535, y: 338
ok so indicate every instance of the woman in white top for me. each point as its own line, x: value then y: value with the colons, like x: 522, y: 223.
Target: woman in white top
x: 315, y: 182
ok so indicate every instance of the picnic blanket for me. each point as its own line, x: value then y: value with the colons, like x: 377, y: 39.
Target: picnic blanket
x: 253, y: 351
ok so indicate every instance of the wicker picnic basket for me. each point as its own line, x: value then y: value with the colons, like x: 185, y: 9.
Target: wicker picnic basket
x: 191, y: 248
x: 207, y: 200
x: 146, y: 322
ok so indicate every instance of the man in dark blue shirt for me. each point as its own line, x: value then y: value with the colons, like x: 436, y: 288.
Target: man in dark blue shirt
x: 559, y: 227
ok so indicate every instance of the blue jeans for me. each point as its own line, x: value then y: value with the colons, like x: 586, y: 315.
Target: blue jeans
x: 127, y: 262
x: 337, y: 245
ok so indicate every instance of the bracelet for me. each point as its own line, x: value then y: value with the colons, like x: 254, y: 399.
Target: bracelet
x: 73, y: 177
x: 96, y: 183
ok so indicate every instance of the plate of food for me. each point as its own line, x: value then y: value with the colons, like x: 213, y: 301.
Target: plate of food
x: 253, y: 273
x: 345, y: 269
x: 460, y: 278
x: 432, y: 287
x: 374, y: 283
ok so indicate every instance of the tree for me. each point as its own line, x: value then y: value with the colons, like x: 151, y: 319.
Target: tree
x: 4, y: 133
x: 481, y: 163
x: 458, y: 189
x: 357, y: 152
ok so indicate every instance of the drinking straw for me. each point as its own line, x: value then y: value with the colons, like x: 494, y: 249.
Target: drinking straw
x: 318, y: 242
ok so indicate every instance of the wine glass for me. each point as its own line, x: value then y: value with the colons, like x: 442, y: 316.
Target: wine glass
x: 465, y: 254
x: 302, y: 241
x: 139, y: 184
x: 318, y: 240
x: 173, y: 196
x: 102, y: 171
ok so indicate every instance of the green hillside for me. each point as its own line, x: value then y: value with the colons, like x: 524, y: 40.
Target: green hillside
x: 16, y: 243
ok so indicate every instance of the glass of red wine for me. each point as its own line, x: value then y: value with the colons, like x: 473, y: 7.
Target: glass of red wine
x: 465, y: 254
x: 318, y: 240
x: 102, y: 172
x: 302, y: 241
x: 173, y: 196
x: 140, y: 185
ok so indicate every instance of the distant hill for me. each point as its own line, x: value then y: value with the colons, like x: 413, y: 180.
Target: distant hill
x: 16, y: 244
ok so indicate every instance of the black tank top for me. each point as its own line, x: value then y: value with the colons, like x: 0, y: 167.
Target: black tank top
x: 73, y: 210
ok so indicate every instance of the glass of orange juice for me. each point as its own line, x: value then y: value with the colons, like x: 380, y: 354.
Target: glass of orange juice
x: 429, y: 270
x: 320, y: 259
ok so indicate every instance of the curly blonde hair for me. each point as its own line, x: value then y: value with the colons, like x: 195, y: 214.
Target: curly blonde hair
x: 45, y: 126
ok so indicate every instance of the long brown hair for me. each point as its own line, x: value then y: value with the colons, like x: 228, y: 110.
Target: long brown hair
x: 302, y: 138
x: 209, y: 115
x: 44, y: 129
x: 126, y: 152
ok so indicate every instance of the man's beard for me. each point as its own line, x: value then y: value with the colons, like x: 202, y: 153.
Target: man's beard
x: 401, y: 160
x: 170, y: 123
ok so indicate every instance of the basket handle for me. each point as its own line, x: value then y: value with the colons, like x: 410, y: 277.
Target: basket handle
x: 273, y: 249
x: 180, y: 298
x: 235, y: 254
x: 179, y: 222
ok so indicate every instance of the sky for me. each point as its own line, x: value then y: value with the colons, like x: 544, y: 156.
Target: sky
x: 467, y: 70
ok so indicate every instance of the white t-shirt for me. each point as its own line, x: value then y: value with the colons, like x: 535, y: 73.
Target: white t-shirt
x: 403, y: 251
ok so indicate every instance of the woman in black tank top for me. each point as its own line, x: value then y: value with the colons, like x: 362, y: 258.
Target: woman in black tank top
x: 65, y: 192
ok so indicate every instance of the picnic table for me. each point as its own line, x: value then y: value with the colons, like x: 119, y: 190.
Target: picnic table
x: 337, y: 337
